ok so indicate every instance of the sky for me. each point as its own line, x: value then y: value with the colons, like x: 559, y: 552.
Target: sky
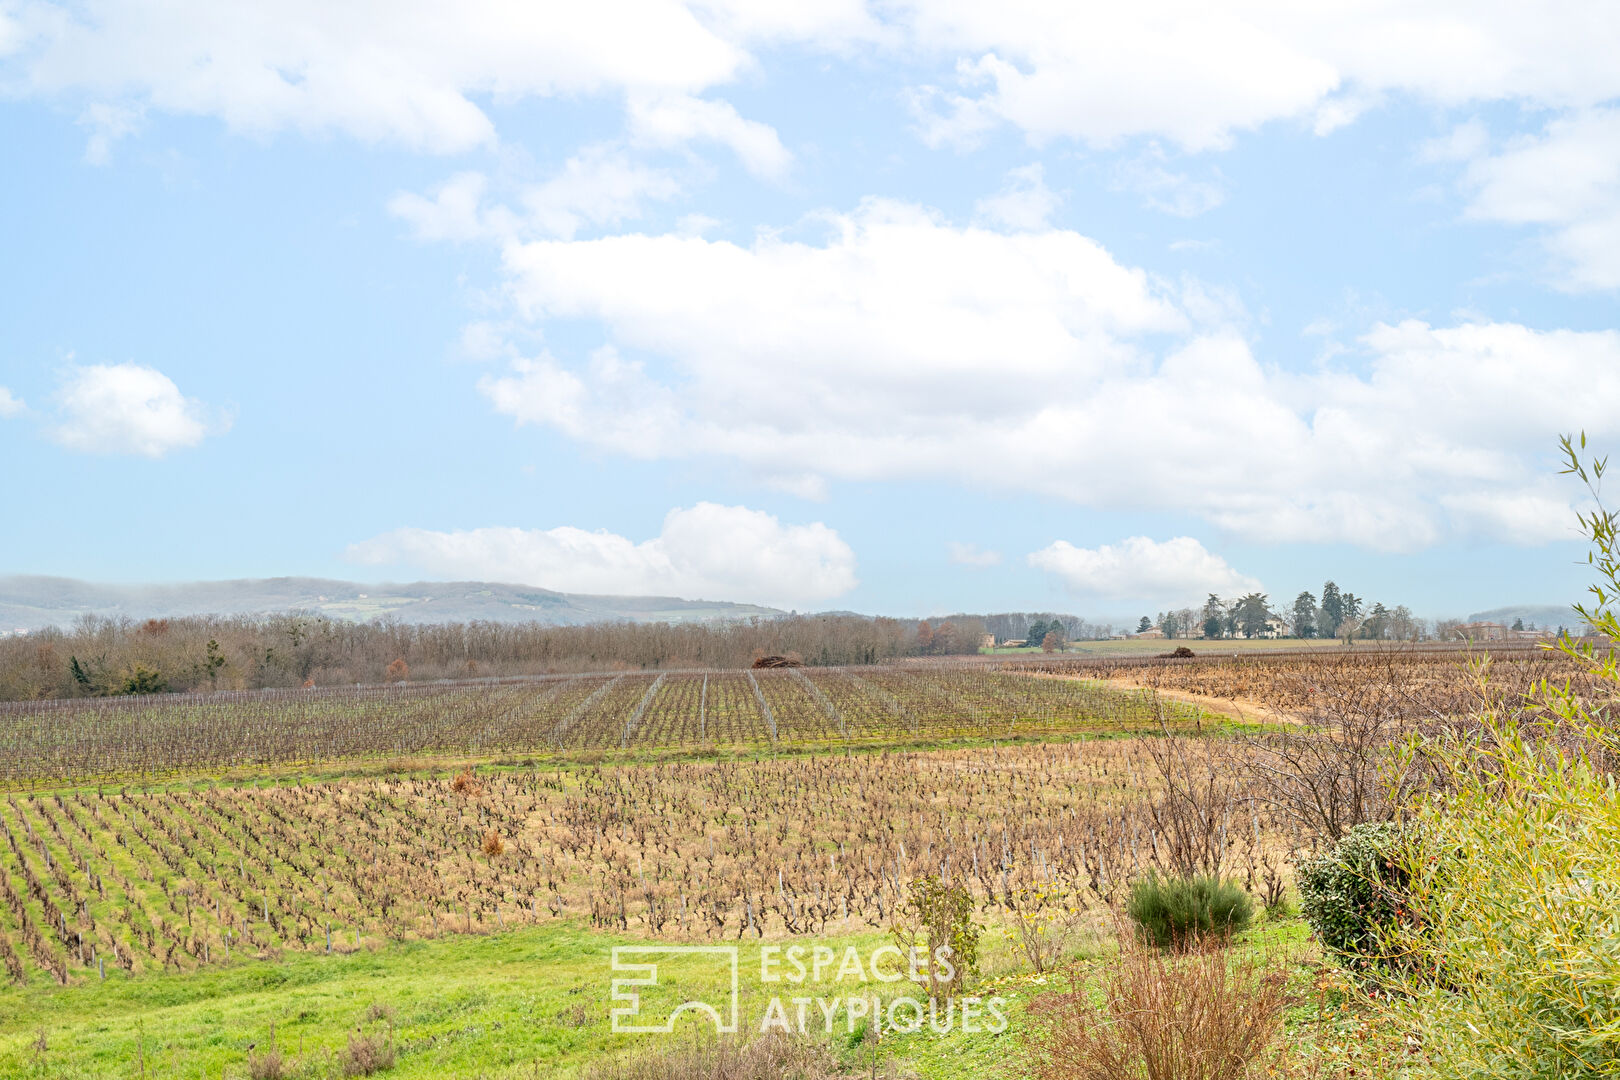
x: 899, y: 308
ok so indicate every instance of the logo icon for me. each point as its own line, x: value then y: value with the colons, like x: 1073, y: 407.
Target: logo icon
x: 707, y: 961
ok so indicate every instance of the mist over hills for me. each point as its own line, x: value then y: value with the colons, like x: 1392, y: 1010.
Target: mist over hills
x: 1546, y: 615
x: 30, y: 602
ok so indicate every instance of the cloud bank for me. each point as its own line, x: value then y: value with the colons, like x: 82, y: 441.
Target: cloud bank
x: 903, y: 346
x: 707, y: 551
x: 1139, y: 569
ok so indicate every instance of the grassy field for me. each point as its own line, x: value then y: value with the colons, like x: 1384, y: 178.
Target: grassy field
x: 526, y: 1003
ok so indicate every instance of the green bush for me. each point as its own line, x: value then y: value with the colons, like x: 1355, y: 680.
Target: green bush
x: 1357, y: 894
x: 1181, y: 911
x: 1520, y: 932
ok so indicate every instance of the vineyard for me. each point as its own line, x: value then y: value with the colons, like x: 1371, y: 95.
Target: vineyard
x: 1293, y: 682
x: 179, y: 879
x: 175, y: 734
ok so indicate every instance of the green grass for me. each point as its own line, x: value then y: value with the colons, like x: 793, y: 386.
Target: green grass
x: 515, y: 1004
x: 526, y: 1003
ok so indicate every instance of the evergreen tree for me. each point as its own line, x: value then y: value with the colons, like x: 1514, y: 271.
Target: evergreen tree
x: 1147, y: 624
x: 1305, y: 615
x: 1332, y: 610
x: 1253, y: 614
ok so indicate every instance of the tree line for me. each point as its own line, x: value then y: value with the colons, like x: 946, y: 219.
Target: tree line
x: 1337, y: 614
x: 102, y: 656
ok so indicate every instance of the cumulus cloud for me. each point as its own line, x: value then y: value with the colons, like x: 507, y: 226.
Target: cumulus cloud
x: 972, y: 555
x: 413, y: 72
x: 1196, y: 73
x: 708, y: 552
x: 1567, y: 180
x: 130, y: 409
x: 903, y: 346
x: 10, y: 404
x: 1176, y: 571
x: 403, y: 71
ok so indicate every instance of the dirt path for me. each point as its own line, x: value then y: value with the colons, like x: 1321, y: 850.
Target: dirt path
x: 1243, y: 710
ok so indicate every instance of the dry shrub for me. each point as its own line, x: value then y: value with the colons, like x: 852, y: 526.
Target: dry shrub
x: 269, y: 1065
x: 1204, y: 1014
x: 399, y: 670
x: 770, y: 1057
x: 367, y: 1054
x: 466, y: 784
x: 493, y: 844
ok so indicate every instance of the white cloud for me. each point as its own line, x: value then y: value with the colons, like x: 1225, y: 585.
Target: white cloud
x: 107, y: 124
x: 1567, y: 180
x: 676, y: 119
x: 1023, y: 204
x: 416, y: 72
x: 598, y: 186
x: 130, y: 409
x: 403, y: 71
x: 1178, y: 571
x: 455, y: 212
x: 905, y: 347
x: 1195, y: 73
x: 709, y: 552
x: 10, y: 404
x: 1161, y: 189
x: 971, y: 555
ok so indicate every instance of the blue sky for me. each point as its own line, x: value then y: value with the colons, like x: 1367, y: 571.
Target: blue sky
x: 898, y: 308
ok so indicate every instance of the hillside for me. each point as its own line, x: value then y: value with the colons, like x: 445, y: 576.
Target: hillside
x: 32, y: 602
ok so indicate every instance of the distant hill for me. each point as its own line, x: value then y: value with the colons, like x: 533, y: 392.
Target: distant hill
x: 1543, y: 615
x: 32, y: 603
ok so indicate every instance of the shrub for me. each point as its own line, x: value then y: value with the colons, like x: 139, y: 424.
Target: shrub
x: 1357, y: 894
x: 938, y: 917
x: 1181, y: 911
x: 367, y: 1054
x: 269, y: 1065
x: 1201, y: 1015
x: 141, y: 679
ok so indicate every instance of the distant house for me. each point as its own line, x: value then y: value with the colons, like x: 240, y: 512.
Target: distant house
x: 1155, y: 632
x: 1484, y: 631
x: 987, y: 641
x: 1014, y: 643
